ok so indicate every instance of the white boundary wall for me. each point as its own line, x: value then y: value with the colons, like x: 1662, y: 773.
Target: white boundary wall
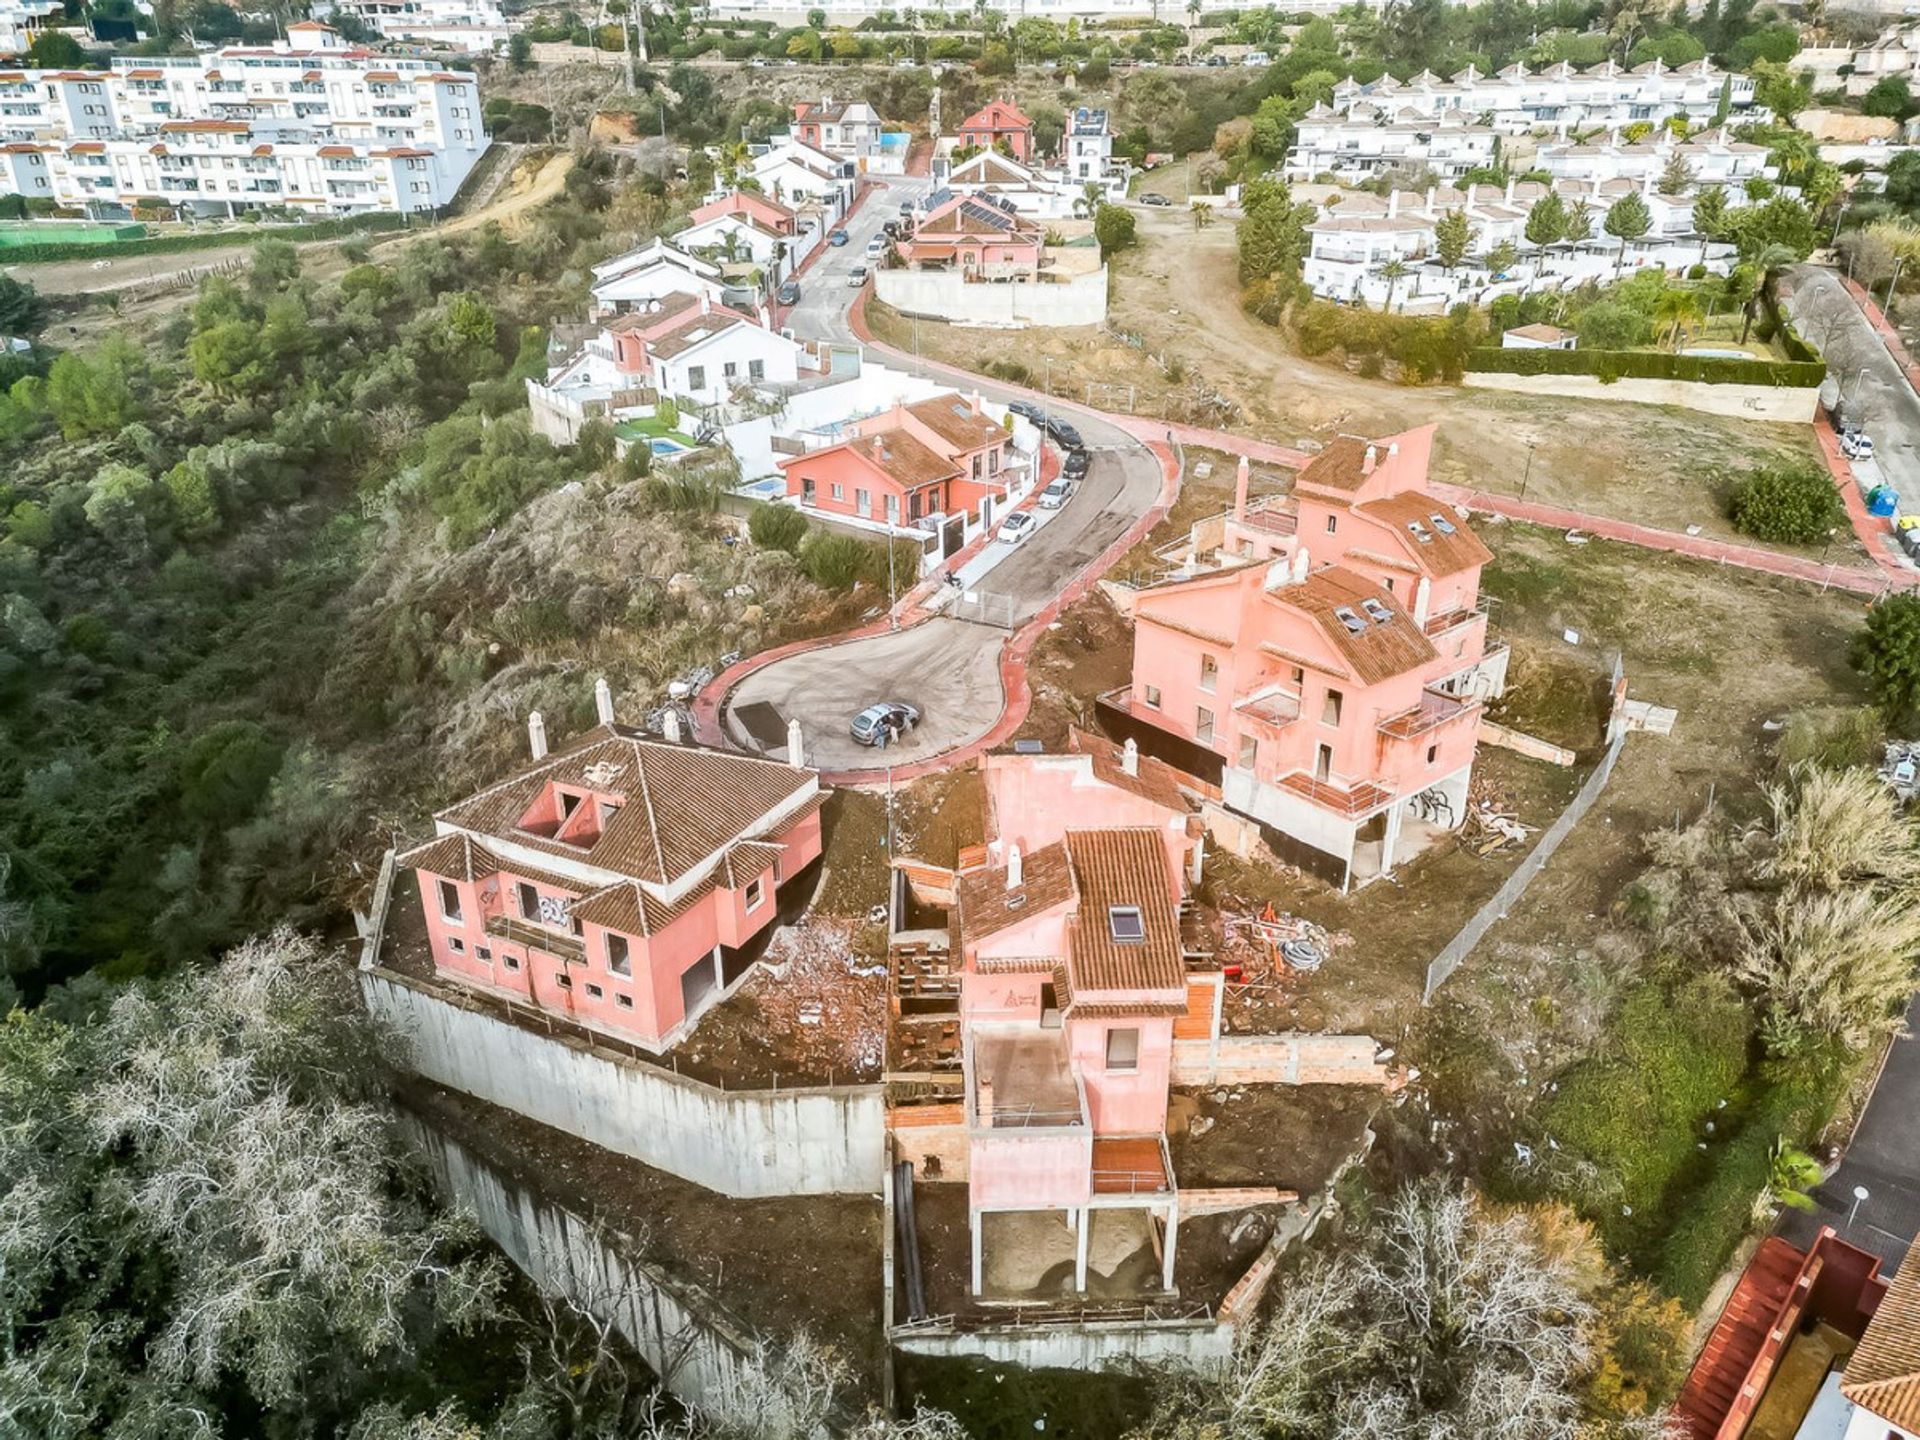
x: 1742, y: 402
x: 1014, y: 305
x: 1087, y: 1345
x: 823, y: 1140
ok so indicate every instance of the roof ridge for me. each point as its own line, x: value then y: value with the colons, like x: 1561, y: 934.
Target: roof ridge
x: 653, y: 819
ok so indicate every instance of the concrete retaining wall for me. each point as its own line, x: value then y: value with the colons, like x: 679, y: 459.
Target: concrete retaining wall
x: 816, y: 1141
x: 1742, y: 402
x: 1279, y: 1060
x: 687, y: 1337
x: 1088, y: 1345
x: 948, y: 295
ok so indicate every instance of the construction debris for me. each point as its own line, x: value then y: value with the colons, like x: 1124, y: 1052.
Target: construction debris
x: 1900, y: 768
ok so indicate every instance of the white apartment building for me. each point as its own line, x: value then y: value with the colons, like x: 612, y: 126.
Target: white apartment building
x: 1559, y: 98
x: 1352, y: 243
x: 310, y: 123
x: 471, y: 27
x: 1367, y: 140
x: 22, y: 20
x: 798, y: 175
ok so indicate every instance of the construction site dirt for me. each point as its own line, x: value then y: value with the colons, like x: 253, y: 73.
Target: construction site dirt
x: 780, y: 1266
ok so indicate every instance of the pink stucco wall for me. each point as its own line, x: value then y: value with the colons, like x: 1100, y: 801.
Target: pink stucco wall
x: 1041, y: 1169
x: 1035, y: 799
x: 1129, y: 1101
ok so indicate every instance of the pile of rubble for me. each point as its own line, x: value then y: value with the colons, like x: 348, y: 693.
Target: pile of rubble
x: 1900, y: 768
x: 1491, y: 824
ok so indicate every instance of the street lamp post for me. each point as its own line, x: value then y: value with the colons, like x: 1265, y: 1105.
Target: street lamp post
x: 1860, y: 1195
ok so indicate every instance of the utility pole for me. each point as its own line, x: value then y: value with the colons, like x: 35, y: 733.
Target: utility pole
x: 1893, y: 284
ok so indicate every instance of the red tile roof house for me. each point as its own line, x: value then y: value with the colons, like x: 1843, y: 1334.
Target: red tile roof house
x: 1072, y: 979
x: 769, y: 213
x: 939, y: 456
x: 625, y: 883
x: 1329, y: 678
x: 975, y: 236
x: 998, y: 124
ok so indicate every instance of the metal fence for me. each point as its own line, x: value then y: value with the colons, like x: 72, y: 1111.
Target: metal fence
x: 1508, y: 895
x: 986, y: 607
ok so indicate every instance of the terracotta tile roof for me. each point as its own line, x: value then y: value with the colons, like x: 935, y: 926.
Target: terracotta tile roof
x: 984, y: 906
x: 1341, y: 466
x: 1443, y: 545
x: 1115, y: 869
x: 996, y: 115
x: 682, y: 805
x: 1376, y: 650
x: 952, y: 419
x: 1883, y: 1376
x: 1153, y: 780
x: 461, y: 857
x: 901, y: 458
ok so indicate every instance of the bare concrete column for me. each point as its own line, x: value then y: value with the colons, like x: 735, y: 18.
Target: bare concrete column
x: 974, y: 1218
x: 1390, y: 842
x: 1173, y: 1234
x: 1080, y: 1250
x: 796, y: 746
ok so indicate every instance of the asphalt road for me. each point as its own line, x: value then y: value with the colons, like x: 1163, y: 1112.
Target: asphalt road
x: 948, y: 668
x: 1884, y: 1160
x: 1868, y: 383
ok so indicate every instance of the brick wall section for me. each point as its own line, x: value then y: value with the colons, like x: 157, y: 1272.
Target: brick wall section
x: 938, y: 1132
x: 1280, y: 1060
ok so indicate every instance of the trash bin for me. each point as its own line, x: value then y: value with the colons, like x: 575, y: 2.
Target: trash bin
x: 1883, y: 502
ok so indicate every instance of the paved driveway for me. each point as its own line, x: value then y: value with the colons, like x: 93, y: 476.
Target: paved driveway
x: 948, y: 669
x: 1872, y: 390
x: 1884, y: 1159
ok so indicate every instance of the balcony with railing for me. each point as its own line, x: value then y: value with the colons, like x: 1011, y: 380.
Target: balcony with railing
x: 1131, y: 1165
x: 524, y: 933
x: 1435, y: 711
x: 1350, y: 802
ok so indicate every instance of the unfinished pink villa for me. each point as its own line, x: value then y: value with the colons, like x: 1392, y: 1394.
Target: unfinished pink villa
x: 624, y: 883
x: 1073, y: 981
x: 1328, y: 673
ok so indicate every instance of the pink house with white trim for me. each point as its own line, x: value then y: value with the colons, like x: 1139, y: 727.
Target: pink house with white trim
x: 624, y: 883
x: 1329, y: 675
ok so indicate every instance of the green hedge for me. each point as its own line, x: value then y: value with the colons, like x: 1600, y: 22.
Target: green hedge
x: 172, y: 244
x: 1611, y: 365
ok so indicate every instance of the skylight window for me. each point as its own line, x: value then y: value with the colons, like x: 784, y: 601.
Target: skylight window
x: 1126, y: 924
x: 1419, y: 532
x: 1376, y: 612
x: 1355, y: 625
x: 1442, y: 524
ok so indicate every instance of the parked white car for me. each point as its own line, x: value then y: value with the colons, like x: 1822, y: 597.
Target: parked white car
x: 1017, y: 527
x: 1856, y: 445
x: 876, y: 247
x: 1055, y: 495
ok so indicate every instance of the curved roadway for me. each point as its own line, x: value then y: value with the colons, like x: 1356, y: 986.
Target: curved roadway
x: 948, y: 668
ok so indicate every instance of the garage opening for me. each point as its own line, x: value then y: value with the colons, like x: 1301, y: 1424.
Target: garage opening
x: 698, y: 983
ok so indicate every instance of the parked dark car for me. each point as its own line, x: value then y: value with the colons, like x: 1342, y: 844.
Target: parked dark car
x: 1153, y: 197
x: 790, y: 293
x: 836, y: 237
x: 1064, y: 433
x: 884, y: 723
x: 1026, y: 410
x: 1076, y: 465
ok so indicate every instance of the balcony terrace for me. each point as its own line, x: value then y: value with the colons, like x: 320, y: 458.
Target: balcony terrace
x: 1434, y: 710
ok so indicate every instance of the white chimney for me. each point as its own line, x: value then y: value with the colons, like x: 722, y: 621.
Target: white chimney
x: 1393, y: 203
x: 796, y: 747
x: 1241, y: 476
x: 603, y: 700
x: 1130, y: 758
x: 670, y: 726
x: 1196, y: 856
x: 537, y: 735
x: 1366, y: 465
x: 1013, y: 867
x: 766, y: 319
x: 1422, y: 598
x: 706, y: 302
x: 1301, y: 563
x: 976, y: 401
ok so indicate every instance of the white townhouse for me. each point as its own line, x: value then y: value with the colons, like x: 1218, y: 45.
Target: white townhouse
x: 471, y: 27
x: 1714, y: 158
x: 628, y: 281
x: 737, y: 239
x: 22, y: 20
x: 1560, y: 98
x: 1367, y: 139
x: 308, y: 123
x: 1026, y: 190
x: 1358, y: 235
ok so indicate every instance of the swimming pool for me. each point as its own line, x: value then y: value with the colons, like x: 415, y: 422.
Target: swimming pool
x: 660, y: 445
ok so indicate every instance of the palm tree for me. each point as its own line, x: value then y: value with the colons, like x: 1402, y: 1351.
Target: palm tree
x: 1675, y: 310
x: 1791, y: 1174
x: 1393, y: 270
